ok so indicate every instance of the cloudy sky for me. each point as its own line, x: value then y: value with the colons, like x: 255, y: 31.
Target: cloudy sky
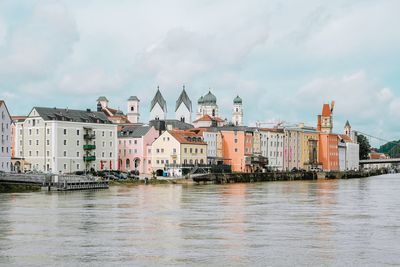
x: 284, y: 58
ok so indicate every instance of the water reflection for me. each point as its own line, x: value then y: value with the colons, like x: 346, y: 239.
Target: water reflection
x: 313, y: 223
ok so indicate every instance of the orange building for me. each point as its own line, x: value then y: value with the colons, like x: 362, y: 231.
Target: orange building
x: 328, y: 142
x: 233, y: 142
x: 329, y: 152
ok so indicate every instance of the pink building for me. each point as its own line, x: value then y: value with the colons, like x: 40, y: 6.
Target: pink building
x: 134, y: 148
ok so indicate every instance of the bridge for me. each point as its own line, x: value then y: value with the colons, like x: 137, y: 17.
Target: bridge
x: 54, y: 182
x: 379, y: 161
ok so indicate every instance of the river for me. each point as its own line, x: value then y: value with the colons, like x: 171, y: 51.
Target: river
x: 308, y: 223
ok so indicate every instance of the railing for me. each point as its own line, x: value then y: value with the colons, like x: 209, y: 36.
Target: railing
x: 89, y: 147
x: 89, y: 158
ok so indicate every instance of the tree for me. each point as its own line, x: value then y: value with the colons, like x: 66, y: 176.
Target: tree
x: 365, y: 147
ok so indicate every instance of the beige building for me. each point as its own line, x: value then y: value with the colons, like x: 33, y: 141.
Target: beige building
x: 174, y: 148
x: 309, y: 138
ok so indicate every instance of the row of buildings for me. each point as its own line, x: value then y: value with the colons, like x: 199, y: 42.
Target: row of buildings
x: 65, y: 141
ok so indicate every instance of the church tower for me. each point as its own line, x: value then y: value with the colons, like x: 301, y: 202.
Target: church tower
x: 325, y: 121
x: 103, y: 101
x: 237, y: 114
x: 158, y: 108
x: 183, y: 109
x: 133, y: 109
x: 347, y: 129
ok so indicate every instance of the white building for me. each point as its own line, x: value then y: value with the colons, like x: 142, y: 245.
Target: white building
x: 183, y: 109
x: 237, y: 114
x: 207, y: 105
x: 5, y: 131
x: 158, y: 109
x: 133, y: 109
x: 63, y: 141
x: 352, y: 149
x: 342, y: 155
x: 272, y: 147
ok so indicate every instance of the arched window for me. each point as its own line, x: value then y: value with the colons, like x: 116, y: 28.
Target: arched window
x: 213, y: 112
x: 132, y: 108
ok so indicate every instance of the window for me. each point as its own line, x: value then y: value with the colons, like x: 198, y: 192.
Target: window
x: 201, y: 150
x: 37, y: 131
x: 195, y: 150
x: 236, y: 150
x: 37, y: 142
x: 102, y: 154
x: 30, y: 142
x: 30, y: 153
x: 65, y: 153
x: 185, y: 150
x: 48, y: 142
x: 78, y: 166
x: 110, y: 133
x: 77, y: 154
x: 77, y: 142
x: 30, y: 131
x: 102, y: 133
x: 48, y: 131
x: 65, y: 131
x: 135, y: 142
x: 158, y: 162
x: 37, y: 153
x: 236, y: 141
x: 65, y: 166
x: 104, y: 144
x: 77, y: 132
x: 65, y: 142
x: 191, y: 150
x: 110, y: 144
x: 174, y: 150
x: 110, y: 154
x: 162, y: 150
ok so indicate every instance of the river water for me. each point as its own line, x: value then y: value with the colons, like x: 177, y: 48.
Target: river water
x: 307, y: 223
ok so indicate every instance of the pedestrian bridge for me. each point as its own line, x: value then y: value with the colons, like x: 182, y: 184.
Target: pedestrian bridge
x: 379, y: 161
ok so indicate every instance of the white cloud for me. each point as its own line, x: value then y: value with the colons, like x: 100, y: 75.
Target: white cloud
x: 35, y: 48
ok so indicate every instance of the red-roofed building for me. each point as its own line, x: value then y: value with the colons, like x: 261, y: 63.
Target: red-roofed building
x: 208, y: 121
x: 175, y: 148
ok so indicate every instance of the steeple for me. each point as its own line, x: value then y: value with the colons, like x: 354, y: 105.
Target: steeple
x: 183, y: 108
x: 347, y: 129
x: 158, y: 108
x: 237, y: 114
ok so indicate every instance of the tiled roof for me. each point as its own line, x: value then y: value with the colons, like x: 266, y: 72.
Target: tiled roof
x: 326, y: 110
x: 186, y: 137
x: 185, y: 99
x: 158, y: 98
x: 209, y: 118
x: 274, y: 130
x: 57, y: 114
x: 135, y: 132
x: 345, y: 138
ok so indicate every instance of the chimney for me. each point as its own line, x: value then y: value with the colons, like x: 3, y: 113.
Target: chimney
x: 319, y: 123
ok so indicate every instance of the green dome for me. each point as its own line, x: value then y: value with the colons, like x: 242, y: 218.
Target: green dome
x: 209, y: 98
x: 200, y: 101
x: 237, y: 100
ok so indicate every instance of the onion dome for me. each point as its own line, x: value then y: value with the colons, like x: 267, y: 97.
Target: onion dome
x: 209, y: 98
x: 200, y: 101
x: 237, y: 100
x: 133, y: 98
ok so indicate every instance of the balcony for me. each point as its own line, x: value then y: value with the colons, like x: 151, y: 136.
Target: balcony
x: 89, y: 158
x: 89, y: 147
x: 89, y: 136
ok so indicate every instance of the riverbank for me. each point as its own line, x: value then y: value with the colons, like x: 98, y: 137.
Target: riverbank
x: 282, y: 176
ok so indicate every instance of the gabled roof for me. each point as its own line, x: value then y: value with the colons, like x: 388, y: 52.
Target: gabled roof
x: 184, y: 98
x: 186, y: 137
x: 345, y: 138
x: 326, y: 110
x: 158, y: 98
x: 57, y: 114
x: 2, y: 102
x: 135, y: 132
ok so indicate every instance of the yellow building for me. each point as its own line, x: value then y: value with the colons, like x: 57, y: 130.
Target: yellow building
x: 173, y: 149
x: 309, y: 147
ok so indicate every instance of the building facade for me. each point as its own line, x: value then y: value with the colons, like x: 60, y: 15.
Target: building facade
x: 175, y: 148
x: 237, y: 112
x: 64, y: 141
x: 134, y: 148
x: 5, y: 132
x: 272, y: 147
x: 133, y: 113
x: 292, y: 149
x: 207, y: 105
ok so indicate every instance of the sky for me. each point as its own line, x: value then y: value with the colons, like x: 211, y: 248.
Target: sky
x: 284, y: 58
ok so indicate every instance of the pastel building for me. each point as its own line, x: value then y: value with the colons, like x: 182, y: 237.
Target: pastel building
x: 64, y: 141
x: 292, y: 148
x: 134, y: 148
x: 174, y: 148
x: 5, y: 141
x: 309, y: 140
x: 351, y: 158
x: 272, y: 147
